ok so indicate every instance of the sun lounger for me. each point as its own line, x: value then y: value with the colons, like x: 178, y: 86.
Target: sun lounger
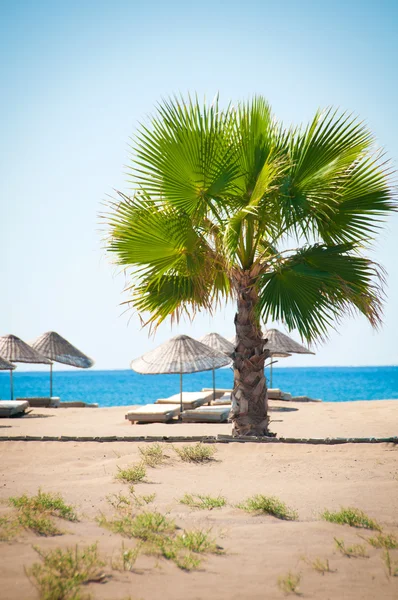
x: 10, y: 408
x: 42, y: 402
x: 219, y: 391
x: 189, y: 399
x: 206, y: 414
x: 153, y: 413
x: 225, y: 400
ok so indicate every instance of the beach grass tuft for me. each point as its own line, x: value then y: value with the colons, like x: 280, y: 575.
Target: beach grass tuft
x: 8, y: 528
x: 203, y: 502
x: 145, y: 526
x: 134, y: 474
x: 45, y: 502
x: 391, y: 566
x: 153, y: 455
x: 197, y: 453
x: 387, y: 541
x: 322, y: 566
x: 61, y: 573
x: 289, y: 583
x: 198, y: 541
x: 352, y: 517
x: 269, y: 505
x: 354, y: 551
x: 126, y: 558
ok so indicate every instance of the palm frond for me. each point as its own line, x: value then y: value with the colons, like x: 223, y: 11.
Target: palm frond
x: 313, y: 289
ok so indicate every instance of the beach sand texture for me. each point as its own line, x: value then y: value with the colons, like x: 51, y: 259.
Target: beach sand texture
x: 258, y: 549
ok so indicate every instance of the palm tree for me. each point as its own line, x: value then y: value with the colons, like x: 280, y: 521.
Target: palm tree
x: 227, y: 204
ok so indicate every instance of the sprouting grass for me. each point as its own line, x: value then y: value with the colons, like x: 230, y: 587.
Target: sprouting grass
x: 153, y: 455
x: 61, y: 573
x: 188, y: 562
x: 126, y: 559
x: 198, y: 541
x: 198, y: 453
x: 140, y: 501
x: 290, y: 583
x: 38, y: 522
x: 45, y: 502
x: 269, y: 505
x: 145, y: 526
x: 391, y: 566
x: 203, y: 502
x: 119, y: 501
x: 8, y: 528
x: 322, y: 566
x: 351, y: 516
x: 387, y: 541
x: 354, y: 551
x: 133, y: 474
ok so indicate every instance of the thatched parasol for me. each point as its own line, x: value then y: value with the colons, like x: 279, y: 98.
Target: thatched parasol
x: 217, y: 342
x: 281, y: 345
x: 181, y: 354
x: 13, y: 349
x: 55, y: 347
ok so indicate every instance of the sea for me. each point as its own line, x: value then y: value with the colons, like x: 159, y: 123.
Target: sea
x: 124, y: 388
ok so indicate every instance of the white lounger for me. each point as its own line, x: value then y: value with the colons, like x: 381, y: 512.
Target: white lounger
x: 189, y: 399
x: 153, y: 413
x: 206, y: 414
x: 225, y: 400
x: 9, y: 408
x: 42, y: 401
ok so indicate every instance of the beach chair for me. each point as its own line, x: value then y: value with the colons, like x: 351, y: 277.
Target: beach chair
x: 11, y: 408
x: 224, y: 400
x: 206, y: 414
x: 153, y: 413
x: 42, y: 402
x: 189, y: 399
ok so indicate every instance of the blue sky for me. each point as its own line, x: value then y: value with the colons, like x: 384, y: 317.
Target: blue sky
x: 78, y: 77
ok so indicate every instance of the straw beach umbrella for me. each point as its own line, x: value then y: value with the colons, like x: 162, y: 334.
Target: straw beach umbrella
x: 8, y: 366
x: 281, y: 345
x: 217, y: 342
x: 181, y: 354
x: 58, y: 349
x: 13, y: 349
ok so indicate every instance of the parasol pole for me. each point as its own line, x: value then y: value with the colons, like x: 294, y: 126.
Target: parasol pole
x: 51, y: 380
x: 214, y: 385
x: 181, y: 391
x: 11, y: 386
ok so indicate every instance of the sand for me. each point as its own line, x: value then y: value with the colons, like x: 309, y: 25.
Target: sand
x: 258, y: 549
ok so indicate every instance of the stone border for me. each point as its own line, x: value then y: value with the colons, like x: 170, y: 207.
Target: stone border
x: 220, y: 439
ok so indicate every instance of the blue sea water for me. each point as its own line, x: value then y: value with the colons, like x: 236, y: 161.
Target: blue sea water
x: 123, y: 388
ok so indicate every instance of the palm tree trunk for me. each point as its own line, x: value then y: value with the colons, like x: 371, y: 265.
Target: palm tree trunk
x: 249, y: 398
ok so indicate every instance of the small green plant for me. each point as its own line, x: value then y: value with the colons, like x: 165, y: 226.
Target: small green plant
x: 145, y: 526
x: 289, y: 583
x: 198, y: 541
x: 352, y: 517
x: 8, y: 528
x: 391, y: 566
x: 126, y: 559
x: 322, y: 566
x: 38, y: 522
x: 198, y: 453
x: 153, y: 455
x: 119, y: 501
x: 61, y: 573
x: 188, y: 562
x: 268, y: 505
x: 387, y: 541
x: 45, y: 502
x: 354, y: 551
x: 203, y: 502
x: 133, y: 474
x: 140, y: 501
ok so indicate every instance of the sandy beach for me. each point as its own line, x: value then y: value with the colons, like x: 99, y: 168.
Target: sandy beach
x: 257, y: 549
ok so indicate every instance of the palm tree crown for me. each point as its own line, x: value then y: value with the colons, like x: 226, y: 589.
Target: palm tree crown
x: 218, y: 192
